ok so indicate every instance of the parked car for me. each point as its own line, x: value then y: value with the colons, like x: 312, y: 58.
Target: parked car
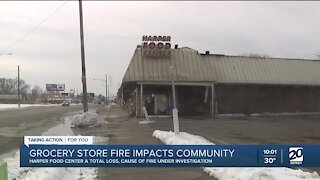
x: 65, y: 103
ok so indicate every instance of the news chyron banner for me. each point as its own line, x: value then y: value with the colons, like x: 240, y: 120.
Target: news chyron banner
x: 79, y: 151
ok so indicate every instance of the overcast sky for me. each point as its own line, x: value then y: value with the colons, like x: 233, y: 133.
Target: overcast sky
x: 51, y: 53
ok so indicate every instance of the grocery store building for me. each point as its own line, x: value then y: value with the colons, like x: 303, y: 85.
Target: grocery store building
x: 210, y: 84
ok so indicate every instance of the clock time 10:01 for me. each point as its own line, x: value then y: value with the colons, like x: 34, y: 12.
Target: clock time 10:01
x: 270, y: 151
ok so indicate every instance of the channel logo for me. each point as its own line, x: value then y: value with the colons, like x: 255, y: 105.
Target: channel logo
x: 296, y: 155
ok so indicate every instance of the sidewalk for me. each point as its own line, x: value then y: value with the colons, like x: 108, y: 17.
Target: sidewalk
x: 126, y: 130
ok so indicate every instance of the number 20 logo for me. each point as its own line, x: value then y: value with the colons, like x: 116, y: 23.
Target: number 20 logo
x: 296, y: 154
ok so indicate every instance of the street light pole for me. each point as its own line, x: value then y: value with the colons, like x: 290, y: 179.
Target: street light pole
x: 9, y: 54
x: 18, y: 86
x: 174, y: 110
x: 84, y: 81
x: 106, y: 88
x: 173, y: 88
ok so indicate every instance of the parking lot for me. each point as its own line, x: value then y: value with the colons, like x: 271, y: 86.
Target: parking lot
x: 122, y: 129
x: 267, y: 129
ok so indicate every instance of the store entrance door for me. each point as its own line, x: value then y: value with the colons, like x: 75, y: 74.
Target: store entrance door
x: 161, y: 104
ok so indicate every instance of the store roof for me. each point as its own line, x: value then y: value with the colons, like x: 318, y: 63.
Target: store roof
x: 191, y: 66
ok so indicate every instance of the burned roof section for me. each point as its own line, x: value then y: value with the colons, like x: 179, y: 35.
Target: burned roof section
x: 191, y: 66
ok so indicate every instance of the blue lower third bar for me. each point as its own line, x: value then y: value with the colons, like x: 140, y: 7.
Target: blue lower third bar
x: 170, y: 156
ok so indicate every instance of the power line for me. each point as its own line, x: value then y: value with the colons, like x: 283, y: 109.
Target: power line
x: 46, y: 75
x: 11, y: 71
x: 35, y: 27
x: 11, y: 68
x: 28, y: 77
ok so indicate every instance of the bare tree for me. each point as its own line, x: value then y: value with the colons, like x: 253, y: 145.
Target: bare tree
x: 44, y: 96
x: 8, y: 86
x: 36, y: 90
x: 24, y: 88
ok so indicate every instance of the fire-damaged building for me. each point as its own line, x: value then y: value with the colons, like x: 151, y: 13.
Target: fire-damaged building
x: 210, y: 84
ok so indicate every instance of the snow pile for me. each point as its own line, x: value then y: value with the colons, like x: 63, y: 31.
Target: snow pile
x: 260, y: 173
x: 234, y: 173
x: 169, y: 137
x: 87, y: 119
x: 18, y: 173
x: 146, y: 122
x: 62, y: 174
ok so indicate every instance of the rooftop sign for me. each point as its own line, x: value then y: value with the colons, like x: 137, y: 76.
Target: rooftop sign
x: 156, y: 46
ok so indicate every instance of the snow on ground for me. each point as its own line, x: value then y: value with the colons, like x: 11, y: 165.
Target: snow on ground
x: 87, y: 119
x: 169, y: 137
x: 260, y: 173
x: 184, y: 138
x: 15, y: 106
x: 146, y: 122
x: 100, y: 140
x: 18, y: 173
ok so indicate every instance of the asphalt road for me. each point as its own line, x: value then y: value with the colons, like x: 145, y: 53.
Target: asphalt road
x: 16, y: 123
x: 122, y: 129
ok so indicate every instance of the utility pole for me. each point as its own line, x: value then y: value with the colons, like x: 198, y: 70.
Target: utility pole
x: 18, y: 86
x: 83, y: 62
x: 173, y: 88
x: 108, y: 93
x: 106, y: 89
x: 174, y: 110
